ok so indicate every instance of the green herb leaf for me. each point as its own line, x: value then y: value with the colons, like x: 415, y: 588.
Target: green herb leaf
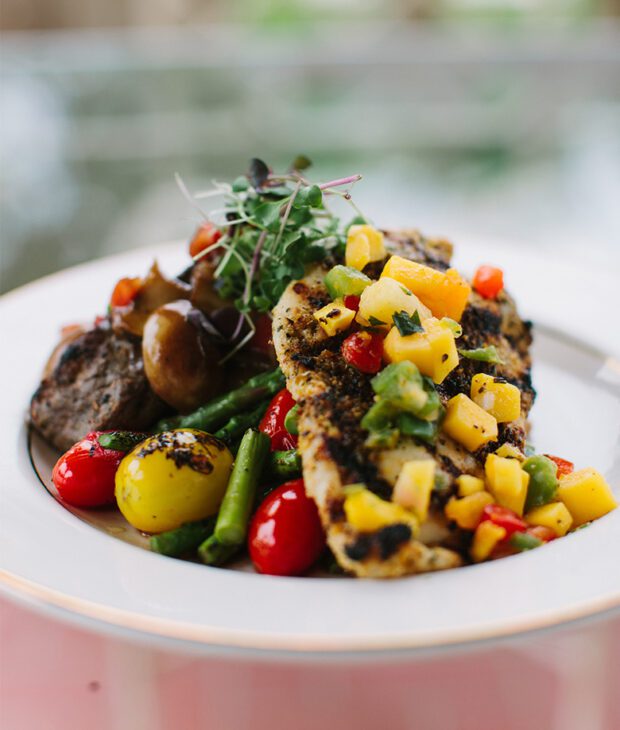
x: 268, y: 215
x: 240, y: 185
x: 483, y: 354
x: 310, y: 196
x: 407, y: 324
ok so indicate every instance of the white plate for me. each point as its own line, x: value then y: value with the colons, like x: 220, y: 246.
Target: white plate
x: 56, y: 560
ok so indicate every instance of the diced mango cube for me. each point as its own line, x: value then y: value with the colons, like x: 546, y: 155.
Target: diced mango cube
x: 383, y: 298
x: 468, y: 424
x: 486, y: 537
x: 467, y: 511
x: 587, y: 495
x: 366, y: 512
x: 501, y: 400
x: 553, y: 515
x: 364, y: 244
x: 445, y: 294
x: 468, y: 484
x: 433, y: 351
x: 509, y: 451
x: 507, y: 482
x: 334, y: 317
x: 414, y: 486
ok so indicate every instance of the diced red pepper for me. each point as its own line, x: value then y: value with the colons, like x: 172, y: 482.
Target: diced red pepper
x: 564, y: 467
x: 546, y: 534
x: 488, y: 281
x: 364, y: 351
x: 273, y: 422
x: 351, y: 301
x: 503, y: 517
x: 125, y: 291
x: 205, y: 236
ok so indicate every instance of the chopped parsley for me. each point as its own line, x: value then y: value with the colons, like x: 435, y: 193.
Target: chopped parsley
x: 407, y: 324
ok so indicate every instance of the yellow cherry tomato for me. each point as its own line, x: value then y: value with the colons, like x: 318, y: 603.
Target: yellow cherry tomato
x: 172, y: 478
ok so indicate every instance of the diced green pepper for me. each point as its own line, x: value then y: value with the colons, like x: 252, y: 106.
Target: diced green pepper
x: 432, y: 409
x: 522, y: 541
x: 290, y: 421
x: 401, y: 385
x: 543, y: 481
x: 409, y: 425
x: 483, y: 354
x: 345, y: 280
x: 379, y: 421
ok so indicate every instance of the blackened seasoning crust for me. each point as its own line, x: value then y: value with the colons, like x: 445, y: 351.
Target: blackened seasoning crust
x: 97, y: 383
x: 333, y: 397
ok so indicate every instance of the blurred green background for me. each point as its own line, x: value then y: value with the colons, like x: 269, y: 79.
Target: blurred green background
x: 497, y: 118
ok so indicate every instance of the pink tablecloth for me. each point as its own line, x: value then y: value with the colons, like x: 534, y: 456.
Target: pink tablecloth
x: 56, y: 677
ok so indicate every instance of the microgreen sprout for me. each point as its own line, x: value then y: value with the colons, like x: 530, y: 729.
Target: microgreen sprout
x: 273, y: 225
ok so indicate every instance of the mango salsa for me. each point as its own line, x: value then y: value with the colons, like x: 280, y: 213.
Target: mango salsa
x: 366, y: 512
x: 468, y: 424
x: 553, y: 515
x: 364, y: 244
x: 334, y: 317
x: 414, y: 486
x: 486, y: 537
x: 433, y: 351
x: 445, y: 294
x: 467, y: 511
x: 383, y: 298
x: 587, y: 495
x: 502, y: 400
x: 507, y: 482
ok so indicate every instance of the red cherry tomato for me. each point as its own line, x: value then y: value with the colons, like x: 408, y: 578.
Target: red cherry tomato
x: 504, y: 517
x: 273, y: 422
x: 286, y: 536
x: 564, y: 467
x: 125, y: 291
x: 488, y: 281
x: 364, y: 351
x: 204, y: 237
x: 351, y: 301
x: 84, y: 475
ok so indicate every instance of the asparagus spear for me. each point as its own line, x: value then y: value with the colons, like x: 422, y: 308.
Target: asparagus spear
x: 284, y: 464
x: 218, y: 411
x: 185, y: 538
x: 120, y: 440
x: 232, y: 520
x: 238, y: 425
x: 212, y: 552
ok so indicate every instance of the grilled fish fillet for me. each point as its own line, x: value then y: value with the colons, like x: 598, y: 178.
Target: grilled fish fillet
x: 333, y: 397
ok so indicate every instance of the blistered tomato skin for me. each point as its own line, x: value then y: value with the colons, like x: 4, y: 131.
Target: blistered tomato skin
x: 286, y: 536
x: 84, y: 475
x: 171, y: 478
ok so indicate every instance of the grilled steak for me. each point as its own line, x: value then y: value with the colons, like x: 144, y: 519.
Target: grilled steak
x: 94, y: 381
x: 333, y: 397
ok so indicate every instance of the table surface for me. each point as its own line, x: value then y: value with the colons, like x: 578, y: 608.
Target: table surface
x: 54, y: 677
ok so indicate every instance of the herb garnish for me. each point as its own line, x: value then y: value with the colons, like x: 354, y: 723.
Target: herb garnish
x: 407, y: 324
x: 272, y: 225
x: 483, y: 354
x: 375, y: 322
